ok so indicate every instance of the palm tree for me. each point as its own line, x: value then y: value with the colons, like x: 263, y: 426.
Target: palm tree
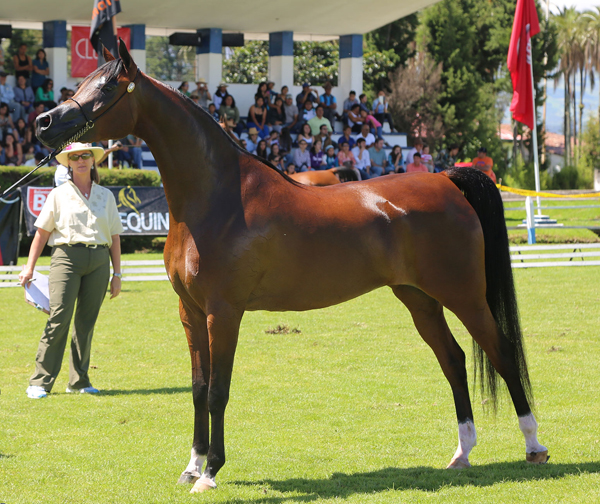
x: 593, y: 45
x: 567, y: 23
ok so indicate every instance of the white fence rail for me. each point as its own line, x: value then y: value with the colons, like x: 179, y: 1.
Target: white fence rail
x: 133, y: 271
x: 522, y: 256
x: 534, y: 256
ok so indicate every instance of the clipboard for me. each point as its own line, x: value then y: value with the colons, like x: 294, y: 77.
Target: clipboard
x: 37, y: 293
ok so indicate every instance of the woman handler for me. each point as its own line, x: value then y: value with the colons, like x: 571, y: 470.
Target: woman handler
x: 81, y: 223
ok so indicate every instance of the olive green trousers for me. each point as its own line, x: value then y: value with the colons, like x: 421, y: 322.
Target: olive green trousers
x: 76, y: 274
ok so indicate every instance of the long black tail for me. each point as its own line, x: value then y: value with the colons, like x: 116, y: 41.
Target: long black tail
x: 484, y: 197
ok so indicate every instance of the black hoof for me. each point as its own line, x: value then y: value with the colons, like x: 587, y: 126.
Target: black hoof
x: 188, y: 478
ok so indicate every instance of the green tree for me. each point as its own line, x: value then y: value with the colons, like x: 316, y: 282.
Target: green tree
x: 167, y: 62
x: 248, y: 64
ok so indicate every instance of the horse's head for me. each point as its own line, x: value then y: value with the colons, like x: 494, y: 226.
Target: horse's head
x: 102, y: 108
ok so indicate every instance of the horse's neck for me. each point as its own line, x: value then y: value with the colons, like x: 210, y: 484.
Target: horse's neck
x: 195, y: 159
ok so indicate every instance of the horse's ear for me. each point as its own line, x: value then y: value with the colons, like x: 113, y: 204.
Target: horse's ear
x: 126, y: 57
x: 108, y: 56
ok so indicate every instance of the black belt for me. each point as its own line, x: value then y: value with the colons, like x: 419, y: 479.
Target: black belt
x: 87, y: 245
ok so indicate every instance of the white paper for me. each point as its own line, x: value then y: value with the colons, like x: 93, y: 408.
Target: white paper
x: 37, y: 292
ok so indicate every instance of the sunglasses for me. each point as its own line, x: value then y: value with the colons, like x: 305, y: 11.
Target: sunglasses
x: 85, y: 156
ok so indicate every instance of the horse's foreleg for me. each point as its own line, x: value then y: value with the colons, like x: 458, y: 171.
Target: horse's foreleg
x: 429, y: 320
x: 223, y: 327
x: 194, y: 323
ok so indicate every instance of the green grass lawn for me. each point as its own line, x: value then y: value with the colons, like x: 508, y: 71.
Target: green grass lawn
x: 354, y: 408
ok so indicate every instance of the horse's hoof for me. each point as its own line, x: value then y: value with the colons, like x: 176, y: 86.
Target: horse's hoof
x: 458, y: 464
x: 202, y: 485
x: 538, y: 457
x: 188, y: 478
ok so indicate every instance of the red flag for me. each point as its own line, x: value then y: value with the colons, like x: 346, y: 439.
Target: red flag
x: 526, y: 25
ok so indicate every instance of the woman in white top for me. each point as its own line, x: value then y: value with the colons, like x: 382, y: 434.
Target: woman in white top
x: 81, y: 223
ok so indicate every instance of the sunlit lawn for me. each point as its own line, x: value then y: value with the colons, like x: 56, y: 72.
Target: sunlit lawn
x: 353, y: 408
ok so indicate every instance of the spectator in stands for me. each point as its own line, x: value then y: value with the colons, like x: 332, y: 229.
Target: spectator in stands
x: 325, y: 137
x: 231, y: 114
x: 12, y: 150
x: 131, y: 151
x: 308, y: 112
x: 317, y: 156
x: 22, y: 63
x: 374, y: 124
x: 203, y: 93
x: 276, y: 158
x: 261, y: 149
x: 220, y: 94
x: 446, y: 158
x: 22, y: 132
x: 257, y: 117
x: 184, y: 88
x: 346, y: 137
x: 276, y: 115
x: 355, y: 119
x: 291, y: 113
x: 271, y: 94
x: 7, y: 125
x: 416, y: 165
x: 380, y: 110
x: 418, y: 147
x: 362, y: 100
x: 273, y: 138
x: 45, y: 94
x: 212, y: 111
x: 63, y: 95
x: 7, y: 95
x: 306, y: 95
x: 329, y: 103
x: 379, y: 165
x: 484, y: 163
x: 427, y: 158
x: 363, y: 160
x: 24, y: 96
x: 263, y: 90
x: 301, y: 160
x: 40, y: 70
x: 305, y: 134
x: 396, y: 160
x: 252, y: 141
x: 316, y: 122
x: 348, y: 102
x: 244, y: 144
x: 38, y: 108
x: 365, y: 133
x: 285, y: 145
x: 37, y: 158
x: 284, y: 93
x: 331, y: 160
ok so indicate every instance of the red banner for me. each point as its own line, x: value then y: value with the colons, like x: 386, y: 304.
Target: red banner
x: 84, y: 59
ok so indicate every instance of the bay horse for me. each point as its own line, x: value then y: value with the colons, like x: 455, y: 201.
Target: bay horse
x: 243, y: 236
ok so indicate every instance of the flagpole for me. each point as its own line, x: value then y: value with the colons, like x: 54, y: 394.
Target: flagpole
x: 536, y: 164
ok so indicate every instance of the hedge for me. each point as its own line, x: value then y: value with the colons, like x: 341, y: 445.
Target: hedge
x: 45, y: 177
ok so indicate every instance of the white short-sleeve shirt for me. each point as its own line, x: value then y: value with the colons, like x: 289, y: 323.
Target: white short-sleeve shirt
x: 71, y: 218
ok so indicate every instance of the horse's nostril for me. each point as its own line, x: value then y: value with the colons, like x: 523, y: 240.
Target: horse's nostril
x: 44, y: 121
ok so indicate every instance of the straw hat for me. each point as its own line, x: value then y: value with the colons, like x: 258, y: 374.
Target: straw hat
x: 201, y: 81
x: 63, y: 157
x: 252, y: 131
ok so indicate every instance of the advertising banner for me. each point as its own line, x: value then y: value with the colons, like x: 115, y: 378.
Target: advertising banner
x: 84, y: 59
x: 9, y: 230
x: 143, y: 210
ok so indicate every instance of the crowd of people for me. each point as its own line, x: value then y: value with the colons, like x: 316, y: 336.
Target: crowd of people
x: 32, y: 95
x: 297, y: 134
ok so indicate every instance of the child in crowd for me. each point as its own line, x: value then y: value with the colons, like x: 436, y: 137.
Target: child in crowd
x: 212, y: 110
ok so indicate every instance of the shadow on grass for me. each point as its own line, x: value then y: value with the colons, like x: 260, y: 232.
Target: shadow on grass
x: 426, y: 479
x: 166, y: 390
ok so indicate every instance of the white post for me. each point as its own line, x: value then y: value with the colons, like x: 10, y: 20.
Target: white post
x: 110, y: 155
x: 536, y: 164
x: 530, y: 220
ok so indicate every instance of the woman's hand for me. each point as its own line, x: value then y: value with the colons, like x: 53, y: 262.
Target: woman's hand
x: 25, y: 276
x: 115, y: 287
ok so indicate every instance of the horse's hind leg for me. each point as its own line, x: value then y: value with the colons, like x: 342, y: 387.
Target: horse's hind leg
x: 429, y: 320
x: 480, y: 323
x: 194, y: 323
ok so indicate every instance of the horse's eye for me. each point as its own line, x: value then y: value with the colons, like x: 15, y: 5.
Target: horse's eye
x: 109, y: 87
